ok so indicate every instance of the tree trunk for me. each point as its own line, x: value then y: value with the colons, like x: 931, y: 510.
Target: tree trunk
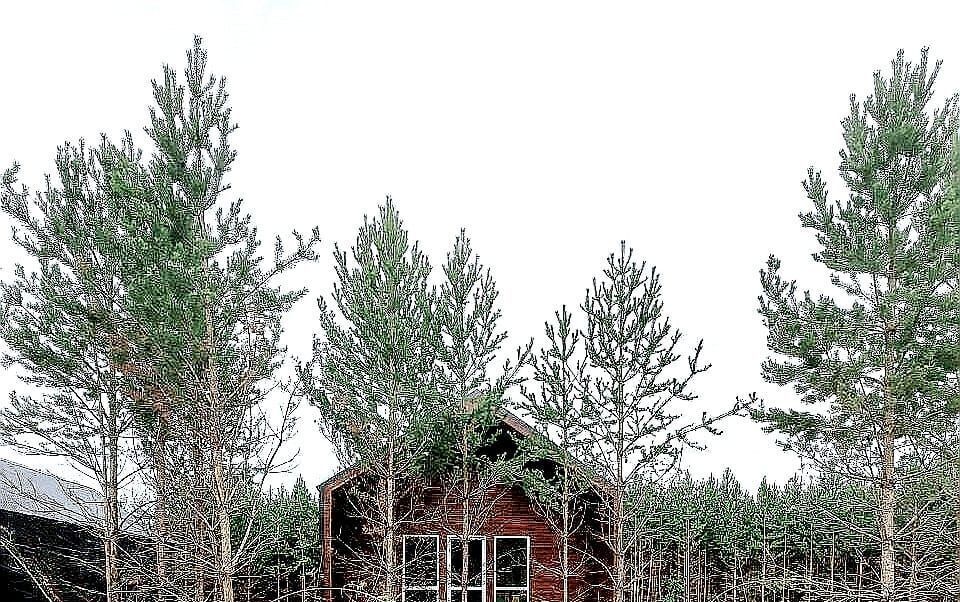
x: 565, y: 500
x: 763, y: 558
x: 464, y: 514
x: 955, y: 463
x: 218, y: 458
x: 686, y: 559
x: 859, y: 579
x: 199, y: 524
x: 112, y: 513
x: 160, y: 516
x: 223, y: 519
x: 736, y: 563
x: 833, y: 561
x: 783, y: 585
x: 956, y: 575
x: 277, y: 565
x: 619, y: 560
x: 887, y: 505
x: 389, y: 543
x: 887, y: 441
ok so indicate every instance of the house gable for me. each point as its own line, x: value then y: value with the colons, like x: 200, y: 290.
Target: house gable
x: 512, y: 518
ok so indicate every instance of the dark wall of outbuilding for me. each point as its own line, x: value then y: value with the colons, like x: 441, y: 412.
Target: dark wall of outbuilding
x: 61, y: 555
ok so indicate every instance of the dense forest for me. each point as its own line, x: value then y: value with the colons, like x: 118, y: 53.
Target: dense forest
x: 147, y: 331
x: 709, y: 539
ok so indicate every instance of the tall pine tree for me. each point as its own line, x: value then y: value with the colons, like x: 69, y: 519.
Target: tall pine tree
x: 60, y: 324
x: 374, y: 379
x: 473, y: 478
x: 632, y: 387
x: 867, y: 363
x: 203, y: 349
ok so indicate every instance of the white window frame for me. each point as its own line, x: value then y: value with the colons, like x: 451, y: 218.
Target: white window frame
x: 482, y: 588
x: 403, y: 579
x: 509, y: 588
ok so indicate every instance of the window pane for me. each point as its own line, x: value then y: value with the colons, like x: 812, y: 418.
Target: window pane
x: 474, y: 562
x: 420, y: 595
x: 420, y: 555
x: 473, y: 595
x: 456, y: 557
x: 511, y: 597
x: 511, y: 562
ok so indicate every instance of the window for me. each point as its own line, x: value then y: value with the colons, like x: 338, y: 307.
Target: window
x: 511, y: 572
x: 475, y: 586
x: 421, y: 568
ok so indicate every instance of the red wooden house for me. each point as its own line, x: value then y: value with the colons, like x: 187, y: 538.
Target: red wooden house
x: 516, y: 558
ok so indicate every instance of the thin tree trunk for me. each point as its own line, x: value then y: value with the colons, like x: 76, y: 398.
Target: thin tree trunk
x: 887, y: 442
x: 619, y: 560
x: 659, y: 572
x: 783, y: 585
x: 686, y: 559
x: 565, y: 500
x: 833, y: 560
x: 112, y: 520
x: 651, y: 577
x: 887, y: 506
x: 859, y: 579
x: 199, y: 525
x: 763, y: 558
x: 218, y: 459
x: 160, y: 516
x: 956, y: 576
x: 278, y: 561
x: 389, y: 543
x: 736, y: 564
x: 464, y: 516
x: 223, y: 519
x: 955, y: 464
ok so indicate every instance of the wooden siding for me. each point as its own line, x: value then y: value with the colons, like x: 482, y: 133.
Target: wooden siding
x: 510, y: 514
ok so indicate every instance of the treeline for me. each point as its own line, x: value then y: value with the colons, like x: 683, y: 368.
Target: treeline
x: 809, y: 539
x: 148, y: 331
x: 700, y: 539
x: 287, y: 563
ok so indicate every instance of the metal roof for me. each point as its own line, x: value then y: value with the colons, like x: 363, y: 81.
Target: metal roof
x: 28, y: 491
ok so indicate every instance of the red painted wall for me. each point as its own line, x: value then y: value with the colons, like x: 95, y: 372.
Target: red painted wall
x: 509, y: 513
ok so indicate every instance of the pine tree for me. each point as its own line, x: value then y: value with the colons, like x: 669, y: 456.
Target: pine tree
x: 474, y: 478
x: 287, y: 526
x: 555, y: 406
x: 60, y: 325
x: 630, y: 394
x: 870, y: 367
x: 159, y: 272
x: 203, y: 350
x: 374, y: 379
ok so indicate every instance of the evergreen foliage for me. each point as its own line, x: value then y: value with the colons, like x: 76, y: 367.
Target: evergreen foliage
x: 149, y: 325
x: 288, y: 557
x: 624, y: 390
x: 60, y: 325
x: 475, y: 473
x: 870, y: 365
x: 374, y: 379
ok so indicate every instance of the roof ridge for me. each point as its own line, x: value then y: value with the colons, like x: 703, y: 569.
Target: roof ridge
x: 46, y: 473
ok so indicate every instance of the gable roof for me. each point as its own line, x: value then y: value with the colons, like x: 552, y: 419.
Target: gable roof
x: 28, y: 491
x: 504, y: 417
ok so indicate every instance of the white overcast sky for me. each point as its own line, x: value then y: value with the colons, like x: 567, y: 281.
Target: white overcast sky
x: 549, y: 130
